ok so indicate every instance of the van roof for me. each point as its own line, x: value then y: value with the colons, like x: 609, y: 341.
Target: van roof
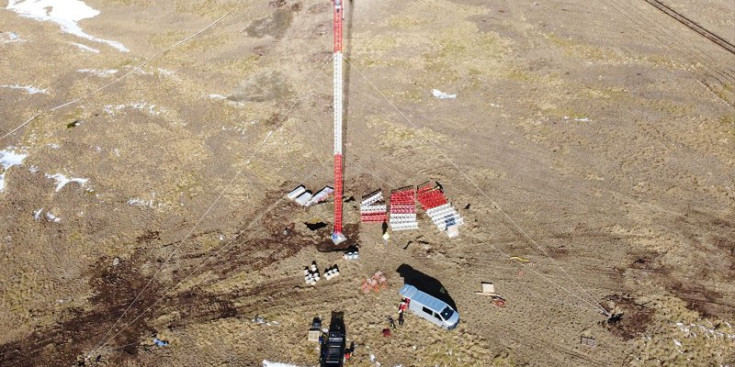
x: 414, y: 294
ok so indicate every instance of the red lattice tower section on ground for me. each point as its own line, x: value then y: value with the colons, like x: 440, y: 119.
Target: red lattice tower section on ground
x: 430, y: 196
x: 403, y: 209
x: 437, y: 207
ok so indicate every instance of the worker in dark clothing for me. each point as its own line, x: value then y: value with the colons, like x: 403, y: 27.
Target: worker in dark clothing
x: 400, y: 318
x: 391, y: 322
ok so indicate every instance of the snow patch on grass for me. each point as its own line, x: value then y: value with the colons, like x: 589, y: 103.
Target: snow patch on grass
x: 65, y: 13
x: 102, y: 73
x: 151, y: 109
x: 62, y: 180
x: 29, y: 89
x: 10, y: 37
x: 86, y: 48
x: 9, y: 158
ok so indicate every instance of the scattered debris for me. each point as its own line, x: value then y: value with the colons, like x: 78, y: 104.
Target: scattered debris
x: 587, y: 340
x: 386, y: 332
x: 375, y: 283
x: 331, y: 272
x: 488, y: 289
x: 300, y: 195
x: 311, y: 274
x: 315, y: 330
x: 498, y: 301
x: 259, y: 319
x: 116, y: 261
x: 52, y: 218
x: 373, y: 208
x: 73, y: 124
x: 352, y: 253
x: 403, y: 209
x: 320, y: 196
x: 160, y: 343
x: 441, y: 95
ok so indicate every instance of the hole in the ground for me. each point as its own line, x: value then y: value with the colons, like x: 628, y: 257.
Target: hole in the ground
x: 315, y: 226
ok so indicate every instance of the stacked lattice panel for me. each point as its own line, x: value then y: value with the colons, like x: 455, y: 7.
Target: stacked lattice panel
x: 438, y: 208
x: 373, y: 208
x: 403, y: 210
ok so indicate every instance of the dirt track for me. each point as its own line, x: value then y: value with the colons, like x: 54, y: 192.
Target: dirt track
x: 595, y: 139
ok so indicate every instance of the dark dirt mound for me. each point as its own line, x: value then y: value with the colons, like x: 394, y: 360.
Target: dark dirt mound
x: 628, y: 319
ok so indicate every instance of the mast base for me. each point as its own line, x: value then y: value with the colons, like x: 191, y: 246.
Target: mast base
x: 338, y: 237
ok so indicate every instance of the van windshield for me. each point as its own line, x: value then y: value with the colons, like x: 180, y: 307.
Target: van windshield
x: 447, y: 313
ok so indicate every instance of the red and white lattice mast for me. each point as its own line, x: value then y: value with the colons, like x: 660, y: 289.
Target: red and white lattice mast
x: 337, y: 235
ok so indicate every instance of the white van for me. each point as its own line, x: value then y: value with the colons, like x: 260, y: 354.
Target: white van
x: 430, y: 308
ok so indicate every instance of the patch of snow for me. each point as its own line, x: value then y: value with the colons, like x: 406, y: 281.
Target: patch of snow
x: 144, y: 203
x: 86, y: 48
x: 102, y: 73
x: 37, y: 214
x: 9, y: 158
x: 33, y: 169
x: 52, y: 218
x: 142, y: 106
x: 65, y: 13
x: 577, y: 119
x: 62, y: 180
x: 216, y: 97
x: 27, y: 88
x: 54, y: 146
x: 9, y: 37
x: 441, y: 95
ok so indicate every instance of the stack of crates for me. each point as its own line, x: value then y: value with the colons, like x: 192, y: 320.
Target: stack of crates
x: 441, y: 212
x: 373, y: 208
x: 403, y: 209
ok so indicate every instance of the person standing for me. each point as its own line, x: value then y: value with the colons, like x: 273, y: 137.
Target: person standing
x: 386, y: 235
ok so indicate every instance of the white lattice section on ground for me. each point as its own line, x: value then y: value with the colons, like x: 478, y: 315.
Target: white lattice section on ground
x: 445, y: 216
x: 438, y: 208
x: 403, y: 209
x: 373, y: 208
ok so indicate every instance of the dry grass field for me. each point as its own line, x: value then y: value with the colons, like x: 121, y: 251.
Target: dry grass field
x: 146, y: 158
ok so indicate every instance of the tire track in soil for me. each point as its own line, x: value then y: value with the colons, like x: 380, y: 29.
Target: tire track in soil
x: 727, y: 46
x: 115, y: 287
x: 647, y: 25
